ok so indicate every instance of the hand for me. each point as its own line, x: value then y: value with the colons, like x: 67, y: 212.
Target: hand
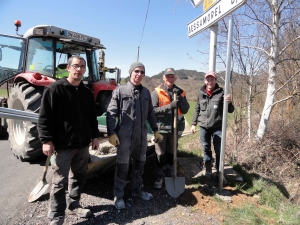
x: 174, y: 103
x: 228, y: 98
x: 95, y: 144
x: 114, y: 140
x: 157, y: 137
x: 48, y: 148
x: 178, y: 91
x: 193, y: 129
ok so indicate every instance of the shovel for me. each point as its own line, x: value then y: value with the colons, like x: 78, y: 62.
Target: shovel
x: 42, y: 185
x: 175, y: 185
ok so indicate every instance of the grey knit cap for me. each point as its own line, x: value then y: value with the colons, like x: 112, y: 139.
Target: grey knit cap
x: 135, y: 65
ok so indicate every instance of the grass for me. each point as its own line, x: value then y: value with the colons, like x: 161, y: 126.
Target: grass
x: 3, y: 92
x: 189, y: 146
x: 189, y: 115
x: 271, y: 207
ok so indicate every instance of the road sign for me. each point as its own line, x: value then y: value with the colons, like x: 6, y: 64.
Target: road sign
x: 213, y: 15
x: 208, y: 3
x: 196, y: 3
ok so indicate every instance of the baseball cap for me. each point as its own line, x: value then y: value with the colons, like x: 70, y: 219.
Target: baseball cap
x: 211, y: 73
x: 169, y: 71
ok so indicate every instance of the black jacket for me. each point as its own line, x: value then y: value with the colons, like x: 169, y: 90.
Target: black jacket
x: 67, y: 115
x: 209, y: 109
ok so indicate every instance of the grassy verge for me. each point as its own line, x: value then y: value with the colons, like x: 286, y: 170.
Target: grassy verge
x: 271, y: 207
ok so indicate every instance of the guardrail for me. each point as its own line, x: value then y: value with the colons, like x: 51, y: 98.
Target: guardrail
x: 29, y: 116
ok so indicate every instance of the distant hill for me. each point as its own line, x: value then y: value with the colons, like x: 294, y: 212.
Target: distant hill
x: 189, y: 80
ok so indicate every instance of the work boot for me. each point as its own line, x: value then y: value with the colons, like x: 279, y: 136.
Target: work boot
x: 57, y: 220
x: 158, y: 183
x: 119, y: 203
x: 208, y: 169
x: 80, y: 212
x: 142, y: 194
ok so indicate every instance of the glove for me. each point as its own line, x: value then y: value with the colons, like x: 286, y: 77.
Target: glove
x: 178, y: 91
x: 174, y: 103
x: 114, y: 140
x: 157, y: 137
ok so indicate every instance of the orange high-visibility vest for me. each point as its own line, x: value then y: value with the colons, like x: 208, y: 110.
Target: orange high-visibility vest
x: 164, y: 98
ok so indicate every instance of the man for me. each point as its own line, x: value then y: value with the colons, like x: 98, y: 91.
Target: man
x: 131, y: 107
x: 208, y: 113
x: 163, y: 103
x: 67, y: 124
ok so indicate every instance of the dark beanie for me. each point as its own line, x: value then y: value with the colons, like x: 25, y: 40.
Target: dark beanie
x: 135, y: 65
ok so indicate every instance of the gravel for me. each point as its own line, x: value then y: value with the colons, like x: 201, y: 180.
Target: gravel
x: 98, y: 197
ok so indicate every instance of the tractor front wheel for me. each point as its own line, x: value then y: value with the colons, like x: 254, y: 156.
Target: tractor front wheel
x: 23, y: 135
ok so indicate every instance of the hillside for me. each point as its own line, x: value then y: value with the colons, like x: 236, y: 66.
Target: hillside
x: 189, y: 80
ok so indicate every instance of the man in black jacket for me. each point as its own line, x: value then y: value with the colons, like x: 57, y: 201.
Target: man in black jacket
x: 208, y: 113
x: 67, y: 124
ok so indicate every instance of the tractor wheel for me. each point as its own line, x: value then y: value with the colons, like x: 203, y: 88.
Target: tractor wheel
x: 23, y: 135
x: 103, y: 101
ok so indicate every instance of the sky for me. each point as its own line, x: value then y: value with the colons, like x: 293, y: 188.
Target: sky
x: 122, y: 26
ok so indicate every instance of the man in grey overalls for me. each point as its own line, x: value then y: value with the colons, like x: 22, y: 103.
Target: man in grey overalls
x: 130, y: 107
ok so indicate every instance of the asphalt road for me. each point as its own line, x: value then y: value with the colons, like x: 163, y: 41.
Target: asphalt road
x: 17, y: 180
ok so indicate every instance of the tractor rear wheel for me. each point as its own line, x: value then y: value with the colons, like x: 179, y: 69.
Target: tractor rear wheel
x: 23, y: 135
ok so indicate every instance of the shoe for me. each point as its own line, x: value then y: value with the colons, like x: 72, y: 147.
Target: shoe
x: 208, y: 169
x: 142, y: 194
x: 80, y: 212
x: 158, y: 183
x: 57, y: 220
x: 119, y: 203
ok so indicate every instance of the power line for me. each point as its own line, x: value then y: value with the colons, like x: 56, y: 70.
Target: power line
x: 143, y: 31
x: 145, y: 22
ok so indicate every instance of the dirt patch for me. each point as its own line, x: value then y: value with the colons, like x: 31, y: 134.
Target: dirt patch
x: 201, y: 198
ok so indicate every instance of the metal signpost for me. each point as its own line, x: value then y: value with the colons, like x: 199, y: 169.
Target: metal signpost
x: 213, y: 15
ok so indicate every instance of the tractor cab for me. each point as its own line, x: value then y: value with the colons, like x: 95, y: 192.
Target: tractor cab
x: 44, y: 51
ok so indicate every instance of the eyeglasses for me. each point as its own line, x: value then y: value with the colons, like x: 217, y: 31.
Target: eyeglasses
x: 76, y: 67
x: 139, y: 71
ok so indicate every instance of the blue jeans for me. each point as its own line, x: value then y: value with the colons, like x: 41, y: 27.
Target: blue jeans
x: 206, y: 134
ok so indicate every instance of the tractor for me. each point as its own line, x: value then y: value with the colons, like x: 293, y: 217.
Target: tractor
x: 31, y: 61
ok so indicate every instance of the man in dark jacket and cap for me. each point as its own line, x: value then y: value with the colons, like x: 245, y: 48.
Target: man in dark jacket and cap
x: 208, y: 113
x: 130, y: 107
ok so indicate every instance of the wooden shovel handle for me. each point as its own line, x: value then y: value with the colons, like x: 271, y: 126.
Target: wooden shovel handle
x: 46, y: 166
x: 175, y: 138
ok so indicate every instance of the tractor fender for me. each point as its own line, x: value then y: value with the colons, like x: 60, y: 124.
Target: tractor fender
x: 34, y: 78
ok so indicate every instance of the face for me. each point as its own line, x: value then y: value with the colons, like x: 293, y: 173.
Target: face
x: 210, y: 82
x: 76, y: 70
x: 137, y: 75
x: 169, y: 80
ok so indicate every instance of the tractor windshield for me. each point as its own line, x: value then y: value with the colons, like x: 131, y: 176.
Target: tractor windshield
x: 49, y: 57
x: 12, y: 51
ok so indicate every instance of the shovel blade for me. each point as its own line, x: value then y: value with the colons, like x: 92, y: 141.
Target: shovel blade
x: 175, y: 186
x: 38, y: 191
